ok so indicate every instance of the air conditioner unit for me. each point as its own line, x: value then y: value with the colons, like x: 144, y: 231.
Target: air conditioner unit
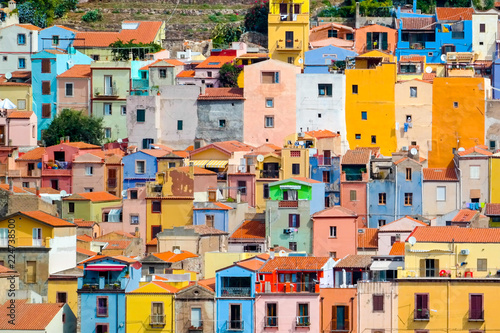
x: 300, y: 134
x: 452, y: 57
x: 464, y: 252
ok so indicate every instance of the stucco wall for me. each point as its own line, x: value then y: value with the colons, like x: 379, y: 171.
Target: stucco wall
x: 432, y: 207
x: 210, y: 112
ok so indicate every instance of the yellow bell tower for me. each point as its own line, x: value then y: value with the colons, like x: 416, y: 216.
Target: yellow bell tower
x: 288, y: 30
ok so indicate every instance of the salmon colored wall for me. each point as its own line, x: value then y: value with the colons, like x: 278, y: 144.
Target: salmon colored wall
x: 338, y: 296
x: 358, y: 206
x: 360, y: 37
x: 345, y: 241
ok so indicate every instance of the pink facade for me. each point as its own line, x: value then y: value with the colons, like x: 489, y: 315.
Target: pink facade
x: 345, y: 297
x: 77, y: 97
x: 358, y: 202
x: 269, y: 110
x: 133, y: 208
x: 335, y: 232
x: 19, y: 128
x: 88, y: 173
x: 396, y: 231
x: 247, y: 192
x: 205, y: 181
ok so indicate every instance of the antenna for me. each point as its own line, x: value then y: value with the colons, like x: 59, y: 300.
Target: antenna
x: 412, y: 240
x: 177, y: 251
x: 63, y: 193
x: 461, y: 149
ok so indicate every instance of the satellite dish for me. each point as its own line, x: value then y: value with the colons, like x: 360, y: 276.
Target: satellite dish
x: 177, y: 251
x: 414, y: 151
x: 260, y: 158
x: 124, y: 193
x: 428, y: 69
x: 8, y: 75
x: 412, y: 240
x: 301, y: 60
x: 119, y: 140
x: 282, y: 253
x: 64, y: 193
x: 443, y: 57
x: 461, y: 149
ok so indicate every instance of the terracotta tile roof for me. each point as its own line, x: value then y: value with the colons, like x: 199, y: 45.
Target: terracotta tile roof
x: 391, y: 226
x: 197, y: 170
x: 29, y: 27
x: 440, y: 174
x: 95, y: 196
x: 222, y: 93
x: 116, y: 232
x: 355, y: 261
x: 263, y: 256
x: 84, y: 224
x: 418, y: 23
x: 222, y: 206
x: 173, y: 62
x: 251, y: 264
x: 168, y: 289
x: 208, y: 283
x: 33, y: 155
x: 294, y: 264
x: 84, y: 238
x: 253, y: 55
x: 15, y: 189
x: 65, y: 27
x: 186, y: 74
x: 181, y: 153
x: 281, y: 248
x: 429, y: 76
x: 172, y: 257
x: 54, y: 51
x: 400, y: 160
x: 397, y: 249
x: 85, y: 252
x: 215, y: 62
x: 492, y: 209
x: 82, y: 145
x: 125, y: 259
x: 96, y: 257
x: 356, y: 157
x: 456, y: 234
x: 465, y: 215
x: 20, y: 115
x: 154, y: 241
x: 454, y: 13
x: 116, y: 244
x: 481, y: 150
x: 113, y: 159
x: 4, y: 271
x: 497, y: 3
x: 306, y: 180
x: 227, y: 146
x: 412, y: 58
x: 205, y: 230
x: 250, y: 229
x: 47, y: 219
x: 77, y: 71
x: 368, y: 239
x: 155, y: 152
x: 335, y: 211
x: 29, y: 316
x: 320, y: 134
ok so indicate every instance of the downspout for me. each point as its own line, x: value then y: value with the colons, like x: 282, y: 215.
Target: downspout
x: 459, y: 187
x: 447, y: 305
x: 392, y: 300
x: 396, y: 194
x: 172, y: 314
x: 321, y: 315
x: 352, y: 314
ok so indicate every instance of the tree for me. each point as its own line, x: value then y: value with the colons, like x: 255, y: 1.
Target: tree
x: 228, y: 75
x: 225, y: 33
x: 77, y: 126
x: 123, y: 50
x: 256, y: 18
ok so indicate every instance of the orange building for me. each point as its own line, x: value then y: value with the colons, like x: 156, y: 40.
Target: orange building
x: 457, y: 117
x: 375, y: 37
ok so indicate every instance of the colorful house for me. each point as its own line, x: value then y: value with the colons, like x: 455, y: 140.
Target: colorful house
x: 473, y: 164
x: 88, y: 172
x: 334, y: 36
x: 8, y: 15
x: 207, y: 73
x: 141, y: 167
x: 73, y: 89
x: 19, y: 43
x: 378, y: 303
x: 62, y: 287
x: 56, y: 37
x: 376, y: 37
x: 167, y: 212
x: 167, y: 262
x: 92, y: 206
x: 484, y: 30
x: 195, y: 307
x: 113, y: 173
x: 212, y: 214
x: 411, y: 67
x: 18, y: 129
x: 249, y: 237
x: 17, y: 89
x: 441, y: 187
x: 27, y: 167
x: 396, y: 231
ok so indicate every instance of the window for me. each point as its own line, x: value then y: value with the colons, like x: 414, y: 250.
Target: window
x: 242, y: 186
x: 270, y: 77
x: 26, y: 184
x: 293, y: 220
x: 407, y: 68
x: 333, y: 232
x: 147, y: 142
x: 95, y: 57
x: 271, y: 315
x: 235, y: 322
x: 289, y: 39
x: 378, y: 303
x: 55, y: 40
x: 381, y: 223
x: 332, y: 33
x: 61, y: 297
x: 358, y: 136
x: 269, y: 102
x: 290, y: 195
x: 421, y: 306
x: 295, y: 169
x: 413, y: 92
x: 340, y: 318
x: 171, y: 165
x: 196, y: 317
x: 102, y: 328
x: 209, y: 220
x: 54, y: 183
x: 107, y: 109
x: 89, y: 170
x: 107, y: 132
x: 294, y: 153
x: 162, y: 73
x: 353, y: 195
x: 21, y: 63
x: 326, y: 176
x: 269, y: 121
x: 156, y: 206
x: 151, y: 270
x: 333, y: 255
x: 30, y: 271
x: 325, y: 89
x: 482, y: 265
x: 69, y: 89
x: 493, y: 143
x: 21, y: 39
x: 222, y: 123
x: 140, y: 167
x: 382, y: 198
x: 123, y: 110
x: 133, y: 194
x: 303, y: 314
x: 474, y: 172
x: 319, y: 115
x: 4, y: 58
x: 455, y: 105
x: 482, y: 27
x: 157, y: 314
x: 134, y: 219
x: 476, y: 307
x: 63, y: 317
x: 179, y: 125
x: 429, y: 267
x: 374, y: 139
x: 408, y: 174
x: 102, y: 306
x: 46, y: 66
x: 141, y: 115
x: 354, y: 88
x: 21, y: 104
x: 265, y: 191
x: 209, y: 73
x: 292, y: 246
x: 364, y: 115
x: 441, y: 193
x: 457, y: 35
x: 45, y: 87
x: 290, y: 60
x: 408, y: 199
x: 155, y: 229
x: 37, y: 237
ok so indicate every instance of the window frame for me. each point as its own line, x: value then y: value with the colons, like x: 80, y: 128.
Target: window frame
x: 295, y: 168
x: 414, y: 95
x: 137, y: 170
x: 354, y: 89
x: 89, y: 168
x: 415, y: 312
x: 376, y: 308
x: 180, y: 125
x: 160, y: 73
x: 153, y: 203
x: 140, y: 115
x: 485, y: 269
x: 271, y: 104
x: 97, y: 306
x: 438, y: 196
x: 476, y: 167
x: 408, y: 174
x: 334, y: 229
x: 66, y: 84
x: 105, y: 109
x: 24, y: 39
x: 266, y: 123
x: 61, y: 293
x: 408, y: 199
x: 132, y: 218
x: 46, y: 66
x: 327, y: 89
x: 382, y: 198
x: 19, y: 63
x: 275, y: 75
x: 353, y: 195
x: 46, y: 87
x: 470, y: 307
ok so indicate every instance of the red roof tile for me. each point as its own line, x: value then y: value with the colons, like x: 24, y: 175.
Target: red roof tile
x: 15, y: 189
x: 454, y: 13
x: 294, y: 264
x: 33, y: 155
x: 227, y: 146
x: 250, y: 230
x: 465, y: 215
x: 154, y: 241
x: 84, y: 238
x: 95, y: 196
x: 4, y: 271
x: 440, y: 174
x: 208, y: 283
x: 197, y: 170
x: 116, y: 244
x: 398, y: 249
x: 205, y: 230
x: 29, y: 316
x: 84, y: 224
x: 356, y: 157
x: 155, y: 152
x: 172, y: 62
x: 306, y: 180
x: 368, y: 239
x: 77, y: 71
x: 85, y: 252
x: 418, y: 23
x: 428, y: 76
x: 20, y: 115
x: 335, y: 211
x: 186, y: 74
x: 253, y: 55
x: 29, y: 27
x: 222, y: 93
x: 215, y: 62
x: 222, y: 206
x: 492, y: 209
x: 251, y: 264
x: 481, y: 150
x: 456, y: 234
x: 320, y: 134
x: 172, y: 257
x: 355, y: 261
x: 47, y: 219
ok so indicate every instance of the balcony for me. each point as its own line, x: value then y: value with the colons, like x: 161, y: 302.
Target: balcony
x: 338, y: 327
x: 271, y: 321
x: 272, y: 174
x: 235, y: 325
x: 196, y: 329
x: 221, y: 176
x: 354, y: 177
x: 106, y: 93
x: 157, y: 320
x: 236, y: 291
x: 24, y: 242
x: 288, y: 204
x: 456, y: 72
x: 289, y: 45
x: 422, y: 315
x: 112, y: 182
x: 476, y: 315
x: 302, y: 321
x: 101, y: 283
x: 324, y: 161
x: 57, y: 168
x: 13, y: 173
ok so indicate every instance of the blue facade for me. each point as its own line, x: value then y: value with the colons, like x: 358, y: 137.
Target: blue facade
x: 102, y: 293
x: 140, y: 78
x: 495, y: 78
x: 332, y: 172
x: 59, y: 63
x: 316, y: 61
x: 55, y: 36
x: 132, y: 173
x: 221, y: 218
x: 235, y: 297
x: 318, y: 197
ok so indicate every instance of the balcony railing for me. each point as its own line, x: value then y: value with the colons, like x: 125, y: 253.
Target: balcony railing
x: 289, y: 45
x: 288, y: 204
x: 236, y: 291
x: 476, y: 315
x: 322, y: 160
x: 106, y: 92
x: 157, y: 320
x: 353, y: 177
x: 422, y: 314
x: 101, y: 283
x: 221, y: 176
x: 303, y: 321
x: 338, y: 327
x: 271, y: 321
x: 235, y: 325
x: 102, y: 311
x: 23, y: 241
x: 196, y: 328
x: 269, y: 174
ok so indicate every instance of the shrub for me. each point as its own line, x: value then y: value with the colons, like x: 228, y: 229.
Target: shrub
x: 256, y: 18
x: 93, y: 15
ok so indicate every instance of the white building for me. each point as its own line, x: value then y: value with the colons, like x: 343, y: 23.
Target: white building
x: 18, y: 43
x: 484, y: 34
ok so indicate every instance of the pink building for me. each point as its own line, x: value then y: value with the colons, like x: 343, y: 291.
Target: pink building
x: 27, y: 171
x: 396, y: 231
x: 88, y: 172
x: 73, y: 88
x: 269, y: 110
x: 335, y: 232
x: 204, y: 181
x: 18, y: 128
x: 244, y: 184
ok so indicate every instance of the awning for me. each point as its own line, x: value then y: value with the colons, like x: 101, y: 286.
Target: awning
x: 217, y: 164
x: 199, y: 163
x: 386, y: 265
x: 105, y: 268
x: 290, y: 187
x: 114, y: 215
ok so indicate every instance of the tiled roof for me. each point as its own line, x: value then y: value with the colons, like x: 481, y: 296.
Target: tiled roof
x: 186, y: 73
x: 7, y: 271
x: 456, y: 234
x: 215, y: 62
x: 155, y: 152
x: 356, y: 157
x: 205, y: 230
x: 29, y: 316
x: 355, y: 261
x: 402, y: 224
x: 100, y: 257
x: 222, y: 206
x: 250, y: 229
x: 320, y: 134
x: 168, y: 289
x: 306, y: 180
x: 492, y: 209
x: 465, y: 215
x: 412, y: 58
x: 481, y: 150
x: 125, y: 259
x: 222, y: 93
x: 29, y: 27
x: 84, y: 224
x: 208, y: 283
x: 294, y: 264
x: 440, y: 174
x: 154, y: 241
x: 20, y: 115
x: 82, y: 145
x: 454, y: 13
x: 116, y: 244
x: 77, y: 71
x: 335, y: 211
x: 84, y: 238
x: 418, y: 23
x: 197, y: 170
x: 397, y: 249
x: 24, y: 76
x: 173, y: 62
x: 368, y: 239
x: 253, y: 55
x: 65, y: 27
x: 227, y: 146
x: 94, y: 196
x: 277, y: 249
x: 429, y: 76
x: 116, y: 232
x: 251, y: 264
x: 181, y: 153
x: 47, y: 219
x: 85, y: 252
x: 33, y: 155
x: 15, y: 189
x: 172, y: 257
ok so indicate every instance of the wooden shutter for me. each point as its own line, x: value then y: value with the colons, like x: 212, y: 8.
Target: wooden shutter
x: 298, y: 220
x: 290, y: 220
x: 45, y: 65
x: 45, y: 87
x: 425, y: 306
x: 369, y: 41
x: 422, y: 267
x: 334, y: 317
x: 384, y: 41
x: 378, y: 302
x: 346, y: 318
x: 46, y: 111
x: 436, y: 267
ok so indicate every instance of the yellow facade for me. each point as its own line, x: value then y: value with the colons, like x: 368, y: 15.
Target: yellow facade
x: 24, y: 230
x: 217, y: 260
x: 68, y: 286
x: 369, y: 104
x: 448, y: 304
x: 174, y: 213
x: 262, y: 179
x: 210, y: 154
x: 140, y: 309
x: 88, y: 210
x: 288, y: 30
x: 16, y: 94
x: 495, y: 180
x: 291, y: 156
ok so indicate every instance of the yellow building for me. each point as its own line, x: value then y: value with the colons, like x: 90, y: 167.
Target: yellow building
x: 166, y: 213
x: 369, y: 104
x: 288, y: 30
x: 248, y: 59
x: 62, y: 286
x: 90, y: 206
x: 411, y: 67
x: 494, y: 178
x: 213, y: 261
x: 294, y: 161
x: 447, y: 305
x: 267, y: 171
x: 17, y: 89
x: 151, y: 308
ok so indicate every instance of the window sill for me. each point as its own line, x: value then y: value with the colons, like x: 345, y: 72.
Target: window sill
x: 421, y: 319
x: 331, y: 237
x: 480, y: 320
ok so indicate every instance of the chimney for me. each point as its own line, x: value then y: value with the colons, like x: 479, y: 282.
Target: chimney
x: 191, y: 168
x: 271, y: 253
x: 12, y: 5
x: 67, y: 139
x: 37, y: 191
x: 202, y: 89
x: 61, y: 139
x: 11, y: 186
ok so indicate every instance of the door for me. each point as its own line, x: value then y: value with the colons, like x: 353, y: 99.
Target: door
x: 327, y: 157
x: 235, y: 316
x: 31, y: 272
x: 108, y: 85
x: 289, y: 39
x: 196, y: 317
x: 112, y: 178
x: 54, y: 183
x: 157, y: 315
x: 2, y: 135
x: 37, y: 237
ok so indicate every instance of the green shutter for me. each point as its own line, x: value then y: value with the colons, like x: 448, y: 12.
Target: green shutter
x: 384, y: 41
x: 369, y: 45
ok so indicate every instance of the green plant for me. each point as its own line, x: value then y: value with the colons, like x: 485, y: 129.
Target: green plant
x: 93, y: 15
x: 214, y: 18
x: 228, y: 75
x: 122, y: 50
x: 256, y: 17
x: 223, y: 34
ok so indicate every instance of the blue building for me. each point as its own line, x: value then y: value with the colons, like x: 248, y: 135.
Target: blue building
x: 46, y: 66
x: 141, y: 167
x: 101, y: 292
x: 56, y: 36
x: 394, y: 190
x: 212, y: 214
x: 319, y: 61
x: 235, y: 296
x: 432, y: 36
x: 327, y: 170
